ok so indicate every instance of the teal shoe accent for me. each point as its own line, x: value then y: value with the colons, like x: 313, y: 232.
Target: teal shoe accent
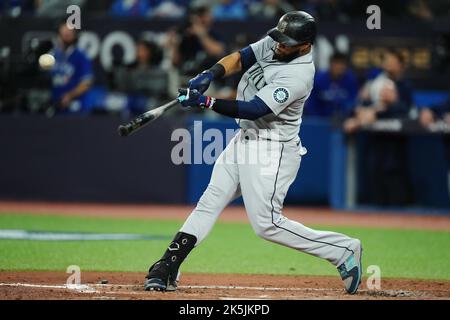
x: 351, y: 271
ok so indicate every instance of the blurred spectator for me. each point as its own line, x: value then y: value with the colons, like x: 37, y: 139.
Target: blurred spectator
x: 335, y: 90
x: 156, y: 8
x: 194, y: 45
x: 428, y: 10
x: 329, y: 10
x: 55, y: 8
x: 15, y: 8
x: 420, y: 9
x: 97, y: 7
x: 145, y: 76
x: 230, y: 10
x: 270, y: 9
x: 388, y: 96
x: 170, y: 9
x: 126, y: 8
x: 72, y: 75
x: 428, y: 116
x: 399, y: 9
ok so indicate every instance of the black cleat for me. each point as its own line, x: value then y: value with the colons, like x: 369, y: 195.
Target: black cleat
x: 155, y: 284
x: 159, y: 278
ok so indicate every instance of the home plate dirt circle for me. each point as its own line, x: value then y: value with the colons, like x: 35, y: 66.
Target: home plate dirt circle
x: 51, y: 285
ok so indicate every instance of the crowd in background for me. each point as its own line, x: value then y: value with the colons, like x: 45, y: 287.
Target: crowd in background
x: 331, y: 10
x: 193, y: 46
x: 189, y: 47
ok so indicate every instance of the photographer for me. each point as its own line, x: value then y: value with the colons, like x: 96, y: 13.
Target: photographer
x: 195, y: 46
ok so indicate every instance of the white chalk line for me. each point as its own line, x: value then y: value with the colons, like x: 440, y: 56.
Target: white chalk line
x: 80, y: 288
x: 218, y: 287
x: 257, y: 288
x: 91, y: 288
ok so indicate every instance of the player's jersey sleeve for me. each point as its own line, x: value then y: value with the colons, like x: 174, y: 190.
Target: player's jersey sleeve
x: 262, y: 48
x: 282, y: 92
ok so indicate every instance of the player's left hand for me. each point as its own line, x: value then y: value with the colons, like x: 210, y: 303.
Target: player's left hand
x: 201, y: 82
x: 195, y: 99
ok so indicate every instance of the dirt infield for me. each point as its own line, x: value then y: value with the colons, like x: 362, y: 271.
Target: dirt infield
x: 307, y: 216
x: 51, y: 285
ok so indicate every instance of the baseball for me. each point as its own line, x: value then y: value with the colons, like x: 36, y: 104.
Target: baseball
x: 46, y: 61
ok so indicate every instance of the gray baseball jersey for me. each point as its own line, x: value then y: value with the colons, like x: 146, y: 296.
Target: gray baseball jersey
x: 263, y: 185
x: 284, y: 87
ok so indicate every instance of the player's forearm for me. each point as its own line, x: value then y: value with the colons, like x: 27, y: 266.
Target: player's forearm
x: 81, y: 89
x: 231, y: 63
x: 226, y: 66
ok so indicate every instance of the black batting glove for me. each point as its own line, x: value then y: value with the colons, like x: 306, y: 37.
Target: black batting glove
x: 201, y: 82
x: 193, y: 98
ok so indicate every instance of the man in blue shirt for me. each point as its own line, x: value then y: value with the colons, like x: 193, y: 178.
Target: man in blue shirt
x: 230, y: 10
x: 72, y: 75
x: 387, y: 96
x: 335, y: 90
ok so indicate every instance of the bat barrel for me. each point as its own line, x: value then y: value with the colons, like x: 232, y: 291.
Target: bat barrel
x: 143, y: 119
x: 130, y: 127
x: 124, y: 130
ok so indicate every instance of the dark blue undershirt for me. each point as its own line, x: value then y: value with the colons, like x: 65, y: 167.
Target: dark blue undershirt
x: 250, y: 110
x: 247, y: 58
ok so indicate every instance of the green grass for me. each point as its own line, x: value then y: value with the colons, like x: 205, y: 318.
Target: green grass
x: 230, y: 248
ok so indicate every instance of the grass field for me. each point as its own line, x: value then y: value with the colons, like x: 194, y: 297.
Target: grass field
x: 230, y: 248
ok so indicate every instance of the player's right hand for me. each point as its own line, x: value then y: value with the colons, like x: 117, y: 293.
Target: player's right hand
x: 193, y: 98
x: 201, y: 82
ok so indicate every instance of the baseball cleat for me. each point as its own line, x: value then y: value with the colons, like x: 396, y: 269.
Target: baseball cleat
x: 155, y: 284
x: 159, y: 278
x: 351, y: 270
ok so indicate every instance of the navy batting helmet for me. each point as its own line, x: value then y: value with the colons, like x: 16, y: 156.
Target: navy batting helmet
x: 294, y: 28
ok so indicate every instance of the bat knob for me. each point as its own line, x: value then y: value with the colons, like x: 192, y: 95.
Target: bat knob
x: 123, y: 131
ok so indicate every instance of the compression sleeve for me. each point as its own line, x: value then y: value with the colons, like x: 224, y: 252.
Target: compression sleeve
x: 251, y: 110
x: 247, y: 58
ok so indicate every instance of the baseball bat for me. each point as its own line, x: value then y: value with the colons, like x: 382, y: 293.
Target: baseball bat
x: 147, y: 117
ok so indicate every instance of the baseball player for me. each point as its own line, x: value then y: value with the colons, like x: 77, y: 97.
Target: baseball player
x: 277, y: 80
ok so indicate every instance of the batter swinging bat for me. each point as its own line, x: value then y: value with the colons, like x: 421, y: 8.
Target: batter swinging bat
x: 147, y: 117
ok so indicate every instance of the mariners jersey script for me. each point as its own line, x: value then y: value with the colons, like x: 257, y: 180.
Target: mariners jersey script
x: 284, y: 87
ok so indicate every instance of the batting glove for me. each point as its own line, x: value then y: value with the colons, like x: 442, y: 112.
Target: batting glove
x: 193, y: 98
x: 201, y: 82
